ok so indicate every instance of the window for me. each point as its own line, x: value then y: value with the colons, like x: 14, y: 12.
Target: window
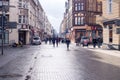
x: 22, y: 19
x: 75, y: 20
x: 82, y: 6
x: 22, y: 4
x: 79, y: 6
x: 79, y: 20
x: 25, y: 5
x: 109, y: 6
x: 82, y: 20
x: 76, y: 7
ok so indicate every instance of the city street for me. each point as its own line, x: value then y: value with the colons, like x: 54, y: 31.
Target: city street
x: 45, y: 62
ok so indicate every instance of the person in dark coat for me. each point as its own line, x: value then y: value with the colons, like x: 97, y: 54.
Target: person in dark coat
x: 94, y: 42
x: 67, y: 43
x: 53, y: 41
x: 99, y: 42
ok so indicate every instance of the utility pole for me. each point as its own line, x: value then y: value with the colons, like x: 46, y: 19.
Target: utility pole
x: 2, y: 28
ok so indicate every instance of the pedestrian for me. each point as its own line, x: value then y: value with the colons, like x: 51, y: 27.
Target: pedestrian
x: 67, y: 43
x: 77, y: 41
x: 99, y: 42
x: 21, y: 42
x: 46, y: 40
x: 94, y: 42
x: 57, y: 41
x: 50, y: 40
x: 53, y: 41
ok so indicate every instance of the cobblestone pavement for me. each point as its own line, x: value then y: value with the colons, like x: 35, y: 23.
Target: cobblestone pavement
x: 17, y: 62
x: 44, y: 62
x: 76, y: 64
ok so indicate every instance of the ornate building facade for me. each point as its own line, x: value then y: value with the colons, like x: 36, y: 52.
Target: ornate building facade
x: 84, y: 18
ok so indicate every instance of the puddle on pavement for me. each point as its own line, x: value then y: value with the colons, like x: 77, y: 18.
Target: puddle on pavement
x: 46, y: 56
x: 10, y: 75
x: 76, y: 50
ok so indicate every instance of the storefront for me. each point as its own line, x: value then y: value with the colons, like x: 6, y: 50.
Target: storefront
x: 111, y: 37
x: 24, y: 36
x: 88, y: 31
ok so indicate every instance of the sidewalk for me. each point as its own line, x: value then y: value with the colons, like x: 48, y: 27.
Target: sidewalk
x: 9, y: 53
x: 101, y: 50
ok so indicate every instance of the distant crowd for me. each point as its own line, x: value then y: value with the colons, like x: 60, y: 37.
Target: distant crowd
x: 84, y: 41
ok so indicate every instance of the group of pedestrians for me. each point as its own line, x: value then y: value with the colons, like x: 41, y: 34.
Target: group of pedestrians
x: 55, y: 41
x: 97, y: 41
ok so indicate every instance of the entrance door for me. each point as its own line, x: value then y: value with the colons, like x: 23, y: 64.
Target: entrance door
x: 22, y: 36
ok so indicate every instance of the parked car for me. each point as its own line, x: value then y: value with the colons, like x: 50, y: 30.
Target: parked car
x: 36, y: 40
x: 84, y: 41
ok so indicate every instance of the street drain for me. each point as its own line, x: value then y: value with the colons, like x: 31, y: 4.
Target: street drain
x: 10, y: 75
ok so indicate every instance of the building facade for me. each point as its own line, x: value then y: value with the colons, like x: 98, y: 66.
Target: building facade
x: 110, y: 20
x: 84, y: 18
x: 81, y: 18
x: 30, y: 18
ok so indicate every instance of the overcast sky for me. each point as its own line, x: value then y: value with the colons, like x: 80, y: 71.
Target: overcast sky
x: 54, y: 9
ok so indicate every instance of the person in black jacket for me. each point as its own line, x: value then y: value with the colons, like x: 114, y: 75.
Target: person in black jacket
x: 94, y: 42
x: 67, y: 43
x: 53, y: 41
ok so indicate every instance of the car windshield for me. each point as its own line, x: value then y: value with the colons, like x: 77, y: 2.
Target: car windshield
x: 36, y: 38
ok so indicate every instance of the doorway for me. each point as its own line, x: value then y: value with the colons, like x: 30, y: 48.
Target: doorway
x: 22, y: 37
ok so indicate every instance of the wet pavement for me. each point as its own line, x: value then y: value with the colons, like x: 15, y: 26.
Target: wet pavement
x: 46, y: 62
x: 76, y: 64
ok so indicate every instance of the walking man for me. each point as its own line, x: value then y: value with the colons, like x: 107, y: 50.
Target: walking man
x: 53, y: 41
x: 94, y: 42
x: 67, y: 43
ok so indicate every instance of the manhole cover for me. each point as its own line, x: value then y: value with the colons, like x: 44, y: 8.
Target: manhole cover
x: 10, y: 75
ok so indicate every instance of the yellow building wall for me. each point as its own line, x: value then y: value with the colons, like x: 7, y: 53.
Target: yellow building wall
x: 115, y: 10
x: 106, y: 16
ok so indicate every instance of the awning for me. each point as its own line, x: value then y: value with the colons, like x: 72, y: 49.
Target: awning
x: 115, y: 21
